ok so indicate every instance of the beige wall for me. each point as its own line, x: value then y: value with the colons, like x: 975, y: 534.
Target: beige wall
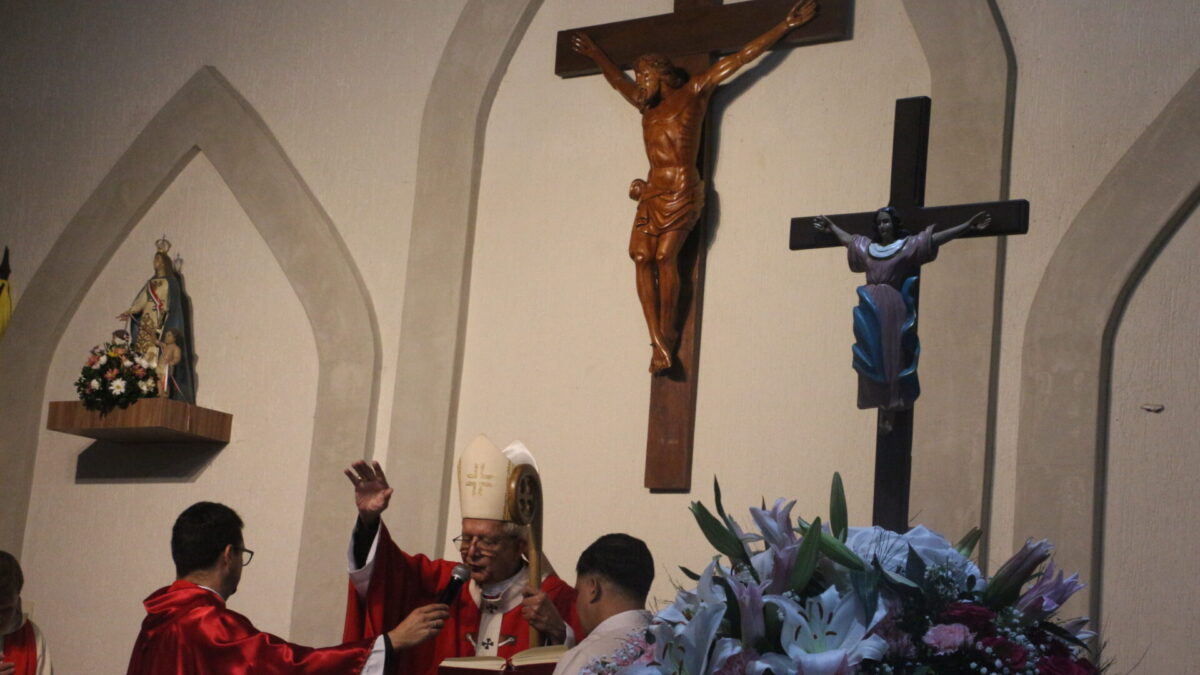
x: 1154, y: 466
x: 1091, y: 77
x: 555, y: 349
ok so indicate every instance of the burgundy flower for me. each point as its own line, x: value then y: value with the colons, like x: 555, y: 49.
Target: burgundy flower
x: 976, y: 617
x: 1059, y: 664
x: 1013, y: 654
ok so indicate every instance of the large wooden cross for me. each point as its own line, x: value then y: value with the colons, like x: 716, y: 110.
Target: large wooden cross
x: 692, y: 36
x: 910, y: 149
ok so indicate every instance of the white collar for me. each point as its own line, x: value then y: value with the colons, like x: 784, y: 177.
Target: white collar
x: 623, y: 622
x: 213, y: 591
x: 878, y: 251
x: 500, y: 586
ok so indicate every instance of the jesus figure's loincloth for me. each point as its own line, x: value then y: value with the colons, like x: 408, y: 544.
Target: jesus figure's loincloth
x: 666, y: 208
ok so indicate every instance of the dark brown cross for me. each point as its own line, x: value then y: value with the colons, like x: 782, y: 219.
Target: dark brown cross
x: 693, y: 36
x: 910, y: 150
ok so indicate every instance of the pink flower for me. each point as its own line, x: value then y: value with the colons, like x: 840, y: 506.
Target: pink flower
x: 93, y: 360
x: 111, y: 374
x: 948, y: 637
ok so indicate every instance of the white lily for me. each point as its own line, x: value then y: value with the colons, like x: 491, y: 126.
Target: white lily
x: 825, y: 636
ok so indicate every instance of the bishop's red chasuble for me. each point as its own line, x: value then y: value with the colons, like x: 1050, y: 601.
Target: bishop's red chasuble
x: 402, y: 582
x: 20, y: 649
x: 188, y: 631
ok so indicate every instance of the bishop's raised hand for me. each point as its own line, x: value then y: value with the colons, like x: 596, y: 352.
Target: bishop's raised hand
x: 371, y: 490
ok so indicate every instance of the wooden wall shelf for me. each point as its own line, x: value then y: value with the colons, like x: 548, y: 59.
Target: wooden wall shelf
x: 150, y: 420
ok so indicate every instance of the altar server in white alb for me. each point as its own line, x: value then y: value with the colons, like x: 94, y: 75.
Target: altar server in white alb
x: 493, y: 612
x: 612, y: 580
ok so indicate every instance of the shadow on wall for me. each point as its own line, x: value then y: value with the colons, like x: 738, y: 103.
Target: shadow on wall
x: 110, y: 462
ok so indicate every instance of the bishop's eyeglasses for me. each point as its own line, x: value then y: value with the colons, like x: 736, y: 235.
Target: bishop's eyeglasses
x: 484, y: 544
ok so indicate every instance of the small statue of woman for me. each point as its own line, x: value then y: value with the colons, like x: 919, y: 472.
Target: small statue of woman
x: 886, y: 347
x: 159, y: 306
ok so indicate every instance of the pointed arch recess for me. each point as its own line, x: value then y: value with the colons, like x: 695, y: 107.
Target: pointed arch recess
x: 208, y: 115
x: 1066, y: 361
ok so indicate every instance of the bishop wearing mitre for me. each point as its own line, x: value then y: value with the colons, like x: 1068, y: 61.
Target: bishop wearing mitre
x: 492, y: 613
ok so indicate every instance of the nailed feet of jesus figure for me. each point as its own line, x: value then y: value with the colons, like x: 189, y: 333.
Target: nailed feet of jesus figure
x: 673, y: 104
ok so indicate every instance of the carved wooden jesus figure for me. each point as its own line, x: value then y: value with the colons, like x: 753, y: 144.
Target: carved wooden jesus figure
x: 671, y: 198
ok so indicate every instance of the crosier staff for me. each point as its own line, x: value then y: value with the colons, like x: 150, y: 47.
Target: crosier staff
x: 523, y: 506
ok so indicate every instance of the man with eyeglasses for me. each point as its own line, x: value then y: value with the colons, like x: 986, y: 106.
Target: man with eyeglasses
x: 189, y: 631
x: 491, y: 615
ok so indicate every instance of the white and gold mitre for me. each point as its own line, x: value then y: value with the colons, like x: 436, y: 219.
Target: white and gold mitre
x: 483, y: 473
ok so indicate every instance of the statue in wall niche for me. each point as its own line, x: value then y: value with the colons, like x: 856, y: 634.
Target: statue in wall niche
x: 160, y: 326
x: 671, y: 198
x: 886, y: 347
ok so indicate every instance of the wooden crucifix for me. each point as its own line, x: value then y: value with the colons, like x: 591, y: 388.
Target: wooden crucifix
x: 910, y: 146
x: 669, y: 243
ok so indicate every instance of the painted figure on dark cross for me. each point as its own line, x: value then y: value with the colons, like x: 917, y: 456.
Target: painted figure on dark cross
x: 886, y: 348
x: 671, y: 198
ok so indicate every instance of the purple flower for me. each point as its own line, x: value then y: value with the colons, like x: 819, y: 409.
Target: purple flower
x: 1005, y: 587
x: 1049, y: 593
x: 948, y: 637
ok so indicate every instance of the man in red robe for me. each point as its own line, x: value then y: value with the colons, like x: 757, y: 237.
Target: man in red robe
x: 22, y: 647
x: 189, y: 631
x: 491, y: 614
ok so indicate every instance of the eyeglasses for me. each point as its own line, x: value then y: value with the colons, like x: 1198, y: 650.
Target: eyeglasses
x: 247, y: 555
x: 484, y: 544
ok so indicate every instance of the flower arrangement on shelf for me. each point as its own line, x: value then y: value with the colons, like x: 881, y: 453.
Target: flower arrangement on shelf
x: 828, y: 599
x: 115, y: 376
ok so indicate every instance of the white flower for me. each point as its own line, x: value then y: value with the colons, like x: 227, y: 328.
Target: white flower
x: 826, y: 636
x: 103, y: 360
x: 144, y: 386
x: 94, y: 385
x: 892, y: 551
x: 126, y: 363
x: 141, y: 362
x: 117, y: 386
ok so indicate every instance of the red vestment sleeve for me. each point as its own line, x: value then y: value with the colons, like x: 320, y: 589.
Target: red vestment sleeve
x: 189, y: 631
x: 20, y: 649
x: 399, y: 584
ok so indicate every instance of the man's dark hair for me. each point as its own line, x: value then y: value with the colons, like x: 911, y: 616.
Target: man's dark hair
x: 11, y: 579
x: 623, y: 560
x: 201, y: 532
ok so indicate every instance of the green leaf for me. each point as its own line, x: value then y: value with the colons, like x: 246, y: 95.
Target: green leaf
x: 717, y: 534
x: 834, y: 549
x: 898, y: 579
x: 966, y: 545
x: 806, y: 560
x: 717, y: 492
x: 837, y: 508
x: 733, y: 611
x: 689, y: 574
x: 866, y: 588
x: 1061, y: 633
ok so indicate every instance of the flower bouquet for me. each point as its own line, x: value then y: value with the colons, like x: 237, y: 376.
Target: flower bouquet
x: 115, y: 377
x: 811, y: 598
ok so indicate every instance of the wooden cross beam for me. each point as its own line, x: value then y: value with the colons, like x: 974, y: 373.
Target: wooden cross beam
x: 692, y: 37
x: 910, y: 149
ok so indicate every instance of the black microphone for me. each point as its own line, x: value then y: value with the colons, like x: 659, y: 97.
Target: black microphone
x: 458, y: 577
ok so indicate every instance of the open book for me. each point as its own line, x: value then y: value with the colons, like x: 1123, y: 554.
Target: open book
x: 536, y: 661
